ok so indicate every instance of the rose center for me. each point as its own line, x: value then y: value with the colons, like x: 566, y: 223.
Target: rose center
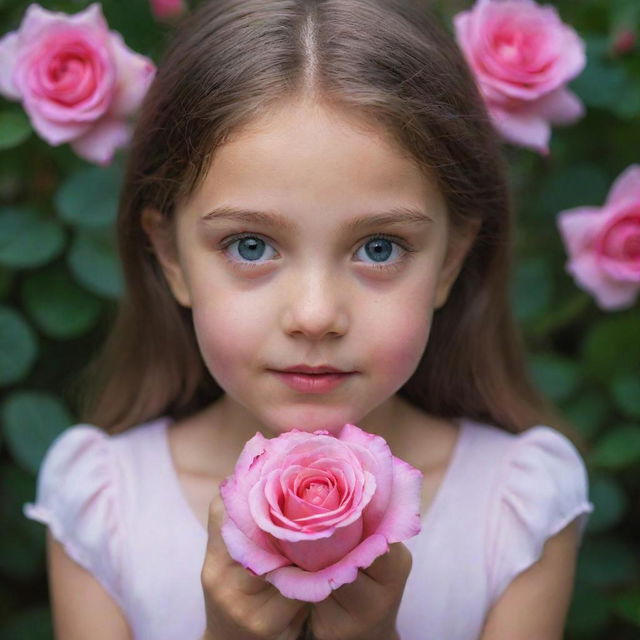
x: 622, y: 241
x: 69, y: 75
x: 315, y: 493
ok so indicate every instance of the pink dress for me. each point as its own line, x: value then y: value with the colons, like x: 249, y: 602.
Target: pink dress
x: 116, y: 504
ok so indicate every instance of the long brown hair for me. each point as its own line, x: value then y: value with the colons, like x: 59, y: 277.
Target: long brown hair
x: 390, y: 62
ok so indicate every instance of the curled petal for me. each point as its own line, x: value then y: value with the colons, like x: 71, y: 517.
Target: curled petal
x: 100, y: 142
x: 626, y: 186
x: 257, y: 558
x: 134, y: 73
x: 315, y: 586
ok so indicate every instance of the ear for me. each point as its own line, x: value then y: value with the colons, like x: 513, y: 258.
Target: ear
x: 460, y: 244
x: 162, y: 238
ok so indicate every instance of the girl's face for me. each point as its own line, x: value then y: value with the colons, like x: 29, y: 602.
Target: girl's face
x: 311, y: 276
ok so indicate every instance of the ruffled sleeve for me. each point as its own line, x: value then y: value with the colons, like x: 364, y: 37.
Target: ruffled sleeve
x: 77, y: 498
x: 541, y: 487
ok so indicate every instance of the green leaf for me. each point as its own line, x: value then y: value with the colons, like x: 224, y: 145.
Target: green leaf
x: 588, y: 412
x: 17, y: 557
x: 626, y: 392
x: 18, y: 346
x: 609, y: 503
x: 531, y: 290
x: 34, y: 623
x: 606, y: 563
x: 19, y: 486
x: 580, y: 184
x: 611, y: 347
x: 618, y: 448
x: 603, y: 82
x: 589, y: 613
x: 32, y: 420
x: 6, y: 277
x: 89, y: 198
x: 14, y: 128
x: 28, y: 239
x: 627, y: 605
x: 94, y: 263
x: 58, y: 306
x: 557, y: 377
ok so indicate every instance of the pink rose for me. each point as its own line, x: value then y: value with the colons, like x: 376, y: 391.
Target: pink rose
x: 522, y: 55
x: 78, y: 81
x: 604, y: 243
x: 306, y: 510
x: 167, y: 9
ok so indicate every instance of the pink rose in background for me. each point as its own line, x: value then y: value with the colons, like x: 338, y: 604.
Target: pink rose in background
x: 167, y: 9
x: 522, y: 56
x: 604, y: 243
x: 306, y: 510
x: 77, y: 81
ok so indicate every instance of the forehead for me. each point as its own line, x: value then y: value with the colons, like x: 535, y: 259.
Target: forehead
x: 303, y: 158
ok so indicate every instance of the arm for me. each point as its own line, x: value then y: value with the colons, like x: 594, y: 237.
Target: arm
x: 535, y: 605
x: 80, y: 606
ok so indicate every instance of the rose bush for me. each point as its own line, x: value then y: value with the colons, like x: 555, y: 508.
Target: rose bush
x: 603, y: 243
x: 77, y: 81
x: 306, y: 510
x: 522, y: 56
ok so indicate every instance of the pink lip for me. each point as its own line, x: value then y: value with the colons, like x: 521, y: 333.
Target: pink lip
x: 315, y: 383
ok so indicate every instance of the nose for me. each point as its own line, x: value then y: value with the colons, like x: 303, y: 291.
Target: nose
x: 315, y: 305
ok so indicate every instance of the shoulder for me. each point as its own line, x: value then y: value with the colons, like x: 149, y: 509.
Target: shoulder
x: 540, y: 486
x: 81, y: 485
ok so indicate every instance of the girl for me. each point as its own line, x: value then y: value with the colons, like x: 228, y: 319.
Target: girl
x: 313, y: 186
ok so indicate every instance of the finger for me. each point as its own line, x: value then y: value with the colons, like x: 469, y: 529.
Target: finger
x: 391, y: 567
x: 277, y: 607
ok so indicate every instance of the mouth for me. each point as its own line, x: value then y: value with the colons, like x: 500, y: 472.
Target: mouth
x: 313, y: 382
x: 319, y: 370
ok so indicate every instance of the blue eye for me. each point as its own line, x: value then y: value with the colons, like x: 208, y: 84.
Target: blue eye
x: 250, y: 248
x: 379, y: 249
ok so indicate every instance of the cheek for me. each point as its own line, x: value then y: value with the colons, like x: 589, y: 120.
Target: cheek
x: 399, y: 336
x: 229, y: 335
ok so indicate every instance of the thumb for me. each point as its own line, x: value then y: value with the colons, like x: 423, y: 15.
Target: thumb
x: 217, y: 515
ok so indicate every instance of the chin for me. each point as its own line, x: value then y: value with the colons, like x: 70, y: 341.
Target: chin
x: 309, y: 424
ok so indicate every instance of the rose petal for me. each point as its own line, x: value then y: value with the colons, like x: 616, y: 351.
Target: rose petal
x: 237, y: 508
x: 100, y: 142
x: 9, y: 47
x: 53, y: 132
x: 313, y: 555
x: 560, y: 107
x: 297, y: 584
x: 608, y: 294
x: 402, y: 518
x: 257, y: 558
x: 578, y: 227
x: 38, y: 21
x: 626, y: 186
x: 293, y: 531
x: 134, y: 74
x: 525, y: 129
x: 379, y: 450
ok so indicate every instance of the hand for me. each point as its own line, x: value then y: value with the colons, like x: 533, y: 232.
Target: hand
x: 240, y: 605
x: 367, y: 608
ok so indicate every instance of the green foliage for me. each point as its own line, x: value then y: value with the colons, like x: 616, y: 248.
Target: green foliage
x: 46, y: 417
x: 60, y: 279
x: 14, y: 128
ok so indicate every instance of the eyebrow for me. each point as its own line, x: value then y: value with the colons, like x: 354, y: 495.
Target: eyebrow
x: 397, y: 215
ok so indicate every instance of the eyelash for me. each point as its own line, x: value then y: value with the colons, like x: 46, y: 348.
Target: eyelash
x: 393, y: 266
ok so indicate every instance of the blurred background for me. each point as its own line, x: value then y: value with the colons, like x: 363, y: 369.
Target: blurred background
x: 59, y: 281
